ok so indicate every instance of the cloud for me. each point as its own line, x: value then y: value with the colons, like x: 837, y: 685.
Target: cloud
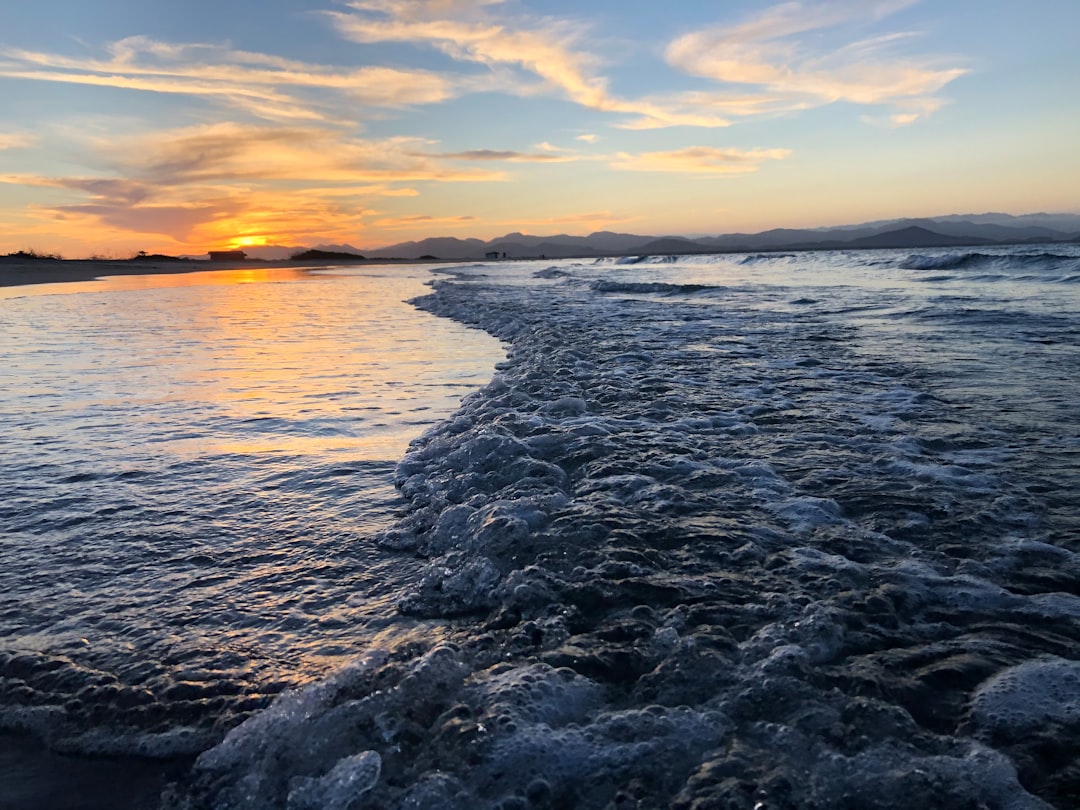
x: 703, y: 160
x: 262, y: 85
x: 233, y: 152
x: 397, y: 223
x: 205, y: 184
x: 176, y: 222
x: 16, y: 140
x: 595, y: 219
x: 588, y: 138
x: 511, y: 156
x: 774, y: 52
x: 546, y: 48
x: 545, y: 146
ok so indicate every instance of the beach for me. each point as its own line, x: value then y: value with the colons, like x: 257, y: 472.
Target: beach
x: 44, y: 271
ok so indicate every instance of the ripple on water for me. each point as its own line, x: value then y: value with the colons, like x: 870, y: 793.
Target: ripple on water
x: 193, y: 475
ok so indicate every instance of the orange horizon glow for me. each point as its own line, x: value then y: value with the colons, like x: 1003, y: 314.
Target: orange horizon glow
x: 376, y: 123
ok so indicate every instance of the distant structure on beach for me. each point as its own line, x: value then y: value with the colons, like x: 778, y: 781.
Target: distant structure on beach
x: 227, y: 255
x: 494, y: 254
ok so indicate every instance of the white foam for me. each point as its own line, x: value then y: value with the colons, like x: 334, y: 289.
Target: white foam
x: 1028, y: 696
x: 340, y: 789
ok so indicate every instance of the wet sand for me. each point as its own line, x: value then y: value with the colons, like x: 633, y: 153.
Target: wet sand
x: 14, y: 273
x: 32, y: 777
x: 19, y: 272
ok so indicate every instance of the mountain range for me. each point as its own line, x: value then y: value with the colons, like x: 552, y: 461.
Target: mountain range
x: 946, y: 231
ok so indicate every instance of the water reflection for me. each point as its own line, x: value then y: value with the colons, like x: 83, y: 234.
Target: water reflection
x: 194, y: 465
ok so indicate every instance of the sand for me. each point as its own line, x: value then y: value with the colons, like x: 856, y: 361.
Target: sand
x: 15, y: 272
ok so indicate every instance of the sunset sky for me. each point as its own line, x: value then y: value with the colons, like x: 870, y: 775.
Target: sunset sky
x: 177, y: 127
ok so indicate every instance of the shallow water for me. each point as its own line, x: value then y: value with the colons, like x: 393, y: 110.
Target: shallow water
x: 766, y: 531
x: 193, y: 467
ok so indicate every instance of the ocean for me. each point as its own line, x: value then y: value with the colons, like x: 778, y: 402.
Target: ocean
x: 736, y: 531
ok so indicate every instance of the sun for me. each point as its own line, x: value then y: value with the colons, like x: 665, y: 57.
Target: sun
x: 249, y: 241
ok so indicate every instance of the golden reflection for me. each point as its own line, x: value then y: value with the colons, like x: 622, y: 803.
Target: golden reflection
x: 335, y: 367
x: 181, y: 277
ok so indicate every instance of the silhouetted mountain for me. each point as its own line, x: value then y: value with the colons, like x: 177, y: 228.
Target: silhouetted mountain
x: 271, y: 253
x: 317, y: 255
x: 1069, y: 223
x: 948, y: 231
x: 445, y: 247
x: 157, y: 258
x: 674, y: 244
x: 914, y: 237
x: 343, y: 248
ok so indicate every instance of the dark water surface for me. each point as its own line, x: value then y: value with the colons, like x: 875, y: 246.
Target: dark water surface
x: 192, y: 468
x: 770, y: 531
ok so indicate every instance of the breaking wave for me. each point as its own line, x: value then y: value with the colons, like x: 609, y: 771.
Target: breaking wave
x: 651, y: 287
x: 693, y: 557
x: 1032, y: 261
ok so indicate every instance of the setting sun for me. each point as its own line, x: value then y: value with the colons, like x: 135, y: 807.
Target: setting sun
x: 249, y: 241
x: 370, y: 123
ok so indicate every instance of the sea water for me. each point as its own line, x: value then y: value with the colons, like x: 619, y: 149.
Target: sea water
x: 192, y: 468
x: 762, y: 531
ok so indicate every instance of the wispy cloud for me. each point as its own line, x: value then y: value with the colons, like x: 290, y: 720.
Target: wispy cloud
x: 16, y: 140
x: 595, y: 219
x: 235, y: 152
x: 414, y: 220
x: 775, y: 53
x: 545, y: 48
x: 205, y: 184
x: 262, y: 85
x: 700, y: 160
x: 507, y: 155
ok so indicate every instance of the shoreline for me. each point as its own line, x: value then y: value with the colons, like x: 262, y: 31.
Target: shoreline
x: 45, y: 271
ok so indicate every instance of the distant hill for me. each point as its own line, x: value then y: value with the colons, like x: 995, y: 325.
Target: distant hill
x: 157, y: 258
x: 674, y: 244
x: 914, y: 236
x: 445, y: 247
x: 317, y: 255
x: 948, y: 231
x: 954, y: 230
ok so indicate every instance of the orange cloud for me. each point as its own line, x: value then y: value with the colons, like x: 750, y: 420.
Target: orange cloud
x: 398, y: 223
x: 511, y: 156
x: 16, y: 140
x: 234, y: 152
x: 208, y: 184
x: 701, y: 160
x: 594, y: 219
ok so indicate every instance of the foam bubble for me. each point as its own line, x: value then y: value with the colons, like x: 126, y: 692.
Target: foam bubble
x: 343, y: 787
x: 1026, y: 697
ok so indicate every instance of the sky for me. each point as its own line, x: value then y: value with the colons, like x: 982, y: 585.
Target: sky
x: 178, y: 127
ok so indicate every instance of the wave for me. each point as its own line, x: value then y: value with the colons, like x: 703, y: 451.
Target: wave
x: 651, y: 287
x: 758, y: 258
x: 657, y: 576
x: 647, y: 260
x: 551, y: 273
x: 687, y: 258
x: 958, y: 261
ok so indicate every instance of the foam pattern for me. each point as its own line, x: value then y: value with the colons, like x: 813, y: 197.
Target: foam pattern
x: 690, y: 550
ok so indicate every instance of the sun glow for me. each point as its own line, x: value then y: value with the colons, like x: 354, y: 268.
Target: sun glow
x: 249, y: 241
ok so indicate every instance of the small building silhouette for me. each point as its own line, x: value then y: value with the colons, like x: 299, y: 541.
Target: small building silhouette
x: 227, y: 255
x: 494, y: 254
